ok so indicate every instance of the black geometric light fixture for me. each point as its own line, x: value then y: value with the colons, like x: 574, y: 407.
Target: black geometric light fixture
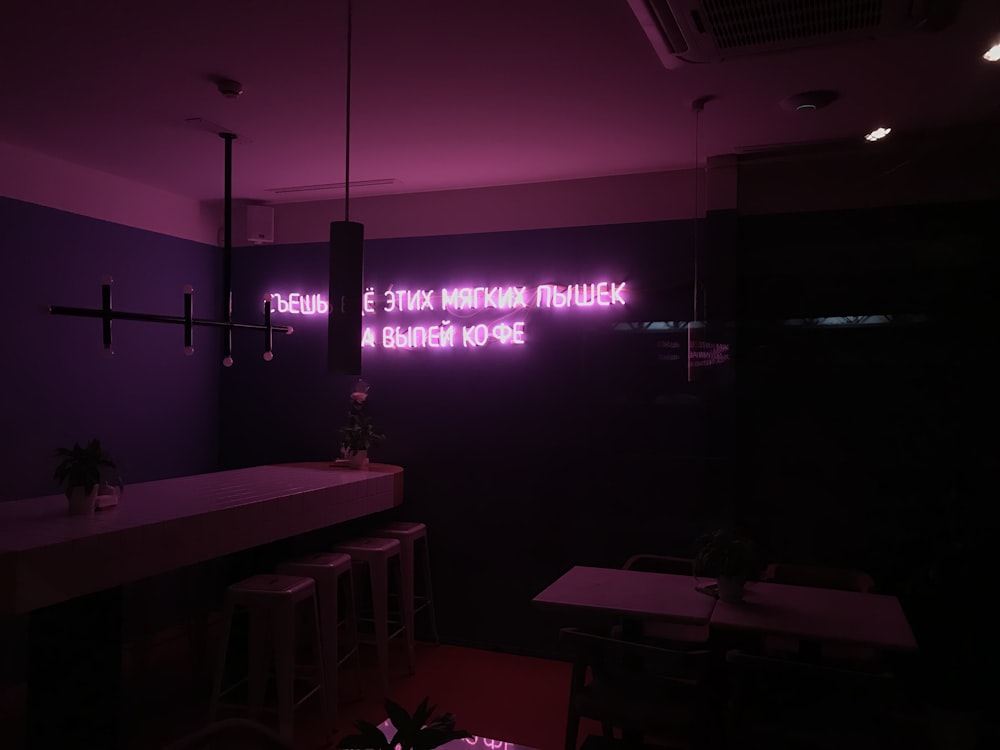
x: 187, y: 319
x: 346, y: 262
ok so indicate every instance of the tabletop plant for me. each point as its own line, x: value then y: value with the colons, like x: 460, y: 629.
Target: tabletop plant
x: 360, y: 432
x: 81, y: 466
x: 731, y: 558
x: 416, y: 732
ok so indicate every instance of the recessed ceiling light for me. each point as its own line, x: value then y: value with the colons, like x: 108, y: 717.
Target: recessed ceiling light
x: 993, y: 53
x: 878, y: 134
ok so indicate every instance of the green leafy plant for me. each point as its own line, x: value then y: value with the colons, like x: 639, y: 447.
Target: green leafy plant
x: 724, y: 552
x: 416, y: 732
x: 360, y: 433
x: 81, y: 466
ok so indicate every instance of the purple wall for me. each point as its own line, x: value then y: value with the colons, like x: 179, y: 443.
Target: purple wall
x: 154, y: 410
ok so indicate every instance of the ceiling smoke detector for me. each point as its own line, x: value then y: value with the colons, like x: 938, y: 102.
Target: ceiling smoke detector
x: 808, y: 101
x: 229, y: 88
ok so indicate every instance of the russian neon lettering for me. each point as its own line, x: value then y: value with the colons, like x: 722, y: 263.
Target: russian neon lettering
x: 470, y: 301
x: 297, y: 303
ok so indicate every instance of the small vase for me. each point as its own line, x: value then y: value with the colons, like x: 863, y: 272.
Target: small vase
x: 730, y: 589
x: 358, y: 459
x: 81, y: 503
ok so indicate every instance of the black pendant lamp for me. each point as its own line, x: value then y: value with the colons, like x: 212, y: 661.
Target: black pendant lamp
x: 346, y: 264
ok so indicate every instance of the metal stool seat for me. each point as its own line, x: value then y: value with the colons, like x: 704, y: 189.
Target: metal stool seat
x: 333, y: 575
x: 378, y: 557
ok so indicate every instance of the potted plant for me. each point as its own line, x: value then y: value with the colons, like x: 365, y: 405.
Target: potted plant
x: 79, y: 469
x: 731, y: 558
x: 360, y: 433
x: 411, y: 732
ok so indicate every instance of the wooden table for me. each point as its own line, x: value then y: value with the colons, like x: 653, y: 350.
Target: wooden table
x: 610, y: 594
x: 67, y: 571
x: 806, y: 613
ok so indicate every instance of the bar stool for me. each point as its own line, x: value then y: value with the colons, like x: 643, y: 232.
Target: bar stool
x: 277, y: 599
x: 413, y: 539
x: 334, y: 580
x: 377, y: 556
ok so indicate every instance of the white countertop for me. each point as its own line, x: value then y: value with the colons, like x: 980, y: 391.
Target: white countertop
x: 48, y: 555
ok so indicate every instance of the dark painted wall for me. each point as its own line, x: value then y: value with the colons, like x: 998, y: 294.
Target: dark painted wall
x: 581, y: 446
x: 849, y: 446
x: 872, y: 446
x: 155, y: 410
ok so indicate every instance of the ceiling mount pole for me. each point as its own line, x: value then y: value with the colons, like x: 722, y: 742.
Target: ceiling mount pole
x: 347, y: 116
x: 227, y: 251
x: 346, y: 261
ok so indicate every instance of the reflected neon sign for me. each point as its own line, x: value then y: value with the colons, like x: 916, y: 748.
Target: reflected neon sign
x: 465, y: 743
x: 506, y: 328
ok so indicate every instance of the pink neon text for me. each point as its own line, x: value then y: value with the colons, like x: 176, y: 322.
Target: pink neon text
x: 300, y: 304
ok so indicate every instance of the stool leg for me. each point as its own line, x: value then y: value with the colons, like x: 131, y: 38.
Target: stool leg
x: 379, y: 572
x: 329, y: 639
x: 283, y: 629
x: 258, y: 661
x: 220, y: 666
x: 404, y: 568
x: 324, y: 658
x: 351, y: 626
x: 428, y: 591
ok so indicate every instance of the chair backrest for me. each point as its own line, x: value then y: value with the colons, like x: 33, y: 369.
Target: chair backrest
x: 612, y: 659
x: 660, y: 564
x: 788, y: 684
x: 843, y: 579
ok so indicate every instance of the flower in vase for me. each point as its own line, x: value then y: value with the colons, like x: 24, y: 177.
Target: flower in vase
x: 360, y: 433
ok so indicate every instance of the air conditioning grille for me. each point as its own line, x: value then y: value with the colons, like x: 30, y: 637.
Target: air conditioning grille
x: 734, y: 24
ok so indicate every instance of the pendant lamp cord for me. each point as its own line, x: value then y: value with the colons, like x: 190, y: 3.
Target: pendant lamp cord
x: 697, y: 105
x: 347, y: 129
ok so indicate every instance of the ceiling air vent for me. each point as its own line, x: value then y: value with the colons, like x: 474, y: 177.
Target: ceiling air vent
x: 702, y: 31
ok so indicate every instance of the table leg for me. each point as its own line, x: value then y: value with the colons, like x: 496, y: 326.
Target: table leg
x: 74, y: 682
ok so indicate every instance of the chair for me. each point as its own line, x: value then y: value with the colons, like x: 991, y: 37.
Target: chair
x: 641, y: 690
x: 841, y: 579
x: 231, y: 734
x: 668, y: 634
x: 660, y: 564
x: 785, y: 703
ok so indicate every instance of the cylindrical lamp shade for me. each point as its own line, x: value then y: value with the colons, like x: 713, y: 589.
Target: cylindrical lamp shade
x: 346, y: 289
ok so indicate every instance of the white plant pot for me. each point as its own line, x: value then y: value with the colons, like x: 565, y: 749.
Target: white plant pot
x: 358, y: 459
x: 82, y: 503
x: 730, y: 589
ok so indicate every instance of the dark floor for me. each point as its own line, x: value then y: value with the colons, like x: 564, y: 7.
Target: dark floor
x: 516, y: 699
x: 165, y: 700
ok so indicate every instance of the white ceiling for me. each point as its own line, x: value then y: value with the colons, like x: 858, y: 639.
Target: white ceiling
x: 446, y: 94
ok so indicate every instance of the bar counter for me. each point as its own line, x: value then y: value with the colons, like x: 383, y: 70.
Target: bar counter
x: 67, y: 572
x: 48, y: 556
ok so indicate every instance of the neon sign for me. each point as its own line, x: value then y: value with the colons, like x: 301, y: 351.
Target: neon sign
x: 300, y: 304
x: 465, y: 302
